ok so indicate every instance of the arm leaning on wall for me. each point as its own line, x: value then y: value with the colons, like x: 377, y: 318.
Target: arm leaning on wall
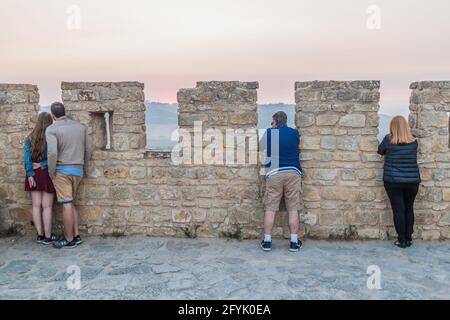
x: 52, y: 150
x: 382, y: 147
x: 28, y: 162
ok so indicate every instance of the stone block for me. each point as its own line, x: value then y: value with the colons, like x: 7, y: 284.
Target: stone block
x: 310, y: 143
x: 121, y: 193
x: 146, y: 192
x: 328, y: 143
x: 327, y: 119
x: 354, y: 120
x: 244, y: 118
x: 181, y: 216
x: 311, y: 194
x: 446, y: 194
x: 347, y: 143
x: 116, y: 172
x: 430, y: 235
x: 304, y: 119
x: 138, y: 172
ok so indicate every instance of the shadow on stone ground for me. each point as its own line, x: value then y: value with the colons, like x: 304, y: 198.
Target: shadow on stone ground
x: 154, y: 268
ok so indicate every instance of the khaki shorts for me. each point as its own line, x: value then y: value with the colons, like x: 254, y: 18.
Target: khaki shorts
x: 288, y: 184
x: 66, y: 187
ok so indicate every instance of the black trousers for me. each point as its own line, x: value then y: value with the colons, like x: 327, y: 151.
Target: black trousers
x: 402, y: 196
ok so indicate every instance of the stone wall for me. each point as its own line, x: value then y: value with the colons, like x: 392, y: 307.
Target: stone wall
x: 135, y: 191
x: 132, y: 190
x: 18, y: 111
x: 342, y: 181
x: 429, y: 107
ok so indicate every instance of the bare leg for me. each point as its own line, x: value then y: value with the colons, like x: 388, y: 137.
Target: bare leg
x: 36, y: 199
x: 47, y: 205
x: 75, y: 221
x: 68, y: 221
x: 269, y: 219
x: 293, y: 221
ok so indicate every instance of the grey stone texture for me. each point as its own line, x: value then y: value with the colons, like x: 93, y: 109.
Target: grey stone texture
x: 163, y: 268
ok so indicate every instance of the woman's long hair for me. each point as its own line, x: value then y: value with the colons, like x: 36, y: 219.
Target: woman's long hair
x: 37, y: 137
x: 399, y: 130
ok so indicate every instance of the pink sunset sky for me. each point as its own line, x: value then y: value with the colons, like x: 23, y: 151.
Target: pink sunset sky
x: 172, y: 44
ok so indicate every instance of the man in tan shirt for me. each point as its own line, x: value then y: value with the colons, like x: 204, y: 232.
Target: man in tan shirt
x: 68, y: 152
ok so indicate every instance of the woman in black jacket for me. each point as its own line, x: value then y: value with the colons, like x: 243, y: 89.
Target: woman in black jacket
x: 401, y: 177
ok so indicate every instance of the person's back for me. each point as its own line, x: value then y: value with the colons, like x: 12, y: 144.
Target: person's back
x: 400, y: 161
x: 68, y: 151
x: 401, y: 177
x: 70, y: 142
x: 283, y: 178
x: 285, y: 156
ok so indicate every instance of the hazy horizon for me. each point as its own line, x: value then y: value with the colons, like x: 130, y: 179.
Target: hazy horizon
x: 173, y: 44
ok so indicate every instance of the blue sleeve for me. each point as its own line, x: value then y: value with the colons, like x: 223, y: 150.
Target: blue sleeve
x: 383, y: 146
x: 44, y: 163
x: 27, y: 158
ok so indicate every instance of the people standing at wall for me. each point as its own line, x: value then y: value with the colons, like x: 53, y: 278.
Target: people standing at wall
x: 401, y: 177
x: 38, y: 181
x: 68, y: 154
x: 283, y: 177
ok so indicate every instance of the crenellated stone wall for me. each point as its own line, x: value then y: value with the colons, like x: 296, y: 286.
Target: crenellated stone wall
x: 132, y: 190
x: 429, y: 120
x: 136, y: 191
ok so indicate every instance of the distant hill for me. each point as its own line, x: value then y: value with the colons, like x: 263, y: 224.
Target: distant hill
x: 266, y: 111
x: 162, y: 119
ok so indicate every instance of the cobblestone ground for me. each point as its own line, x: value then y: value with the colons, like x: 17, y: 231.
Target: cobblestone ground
x: 153, y: 268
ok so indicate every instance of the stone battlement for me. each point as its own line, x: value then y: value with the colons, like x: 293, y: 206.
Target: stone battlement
x: 136, y: 191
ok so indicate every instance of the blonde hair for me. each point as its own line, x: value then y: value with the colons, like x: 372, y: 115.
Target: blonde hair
x: 400, y: 131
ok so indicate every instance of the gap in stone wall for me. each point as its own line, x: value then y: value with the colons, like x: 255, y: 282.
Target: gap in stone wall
x: 161, y: 120
x: 265, y: 112
x: 383, y: 125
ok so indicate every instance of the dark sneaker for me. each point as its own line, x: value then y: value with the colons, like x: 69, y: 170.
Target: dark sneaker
x: 77, y: 239
x: 408, y: 243
x: 400, y: 244
x: 266, y: 245
x: 40, y: 239
x: 294, y: 247
x: 63, y: 243
x: 53, y: 238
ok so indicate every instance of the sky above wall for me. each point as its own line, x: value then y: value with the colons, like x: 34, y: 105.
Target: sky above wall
x: 172, y: 44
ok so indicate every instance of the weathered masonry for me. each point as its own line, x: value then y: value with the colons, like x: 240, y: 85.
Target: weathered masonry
x: 136, y: 191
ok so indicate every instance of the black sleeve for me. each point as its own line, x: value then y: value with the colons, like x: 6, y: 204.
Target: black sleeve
x: 383, y: 146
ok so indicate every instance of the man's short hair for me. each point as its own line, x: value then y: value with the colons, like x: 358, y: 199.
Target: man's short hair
x: 280, y: 118
x: 57, y: 109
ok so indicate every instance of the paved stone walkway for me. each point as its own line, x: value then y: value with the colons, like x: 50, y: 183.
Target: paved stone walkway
x: 153, y: 268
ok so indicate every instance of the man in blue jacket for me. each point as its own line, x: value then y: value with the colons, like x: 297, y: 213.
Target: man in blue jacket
x: 283, y: 177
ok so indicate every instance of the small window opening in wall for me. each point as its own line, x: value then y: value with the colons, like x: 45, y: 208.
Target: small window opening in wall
x: 101, y: 130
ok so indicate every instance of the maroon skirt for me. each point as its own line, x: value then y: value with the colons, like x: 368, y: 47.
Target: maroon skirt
x: 43, y: 182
